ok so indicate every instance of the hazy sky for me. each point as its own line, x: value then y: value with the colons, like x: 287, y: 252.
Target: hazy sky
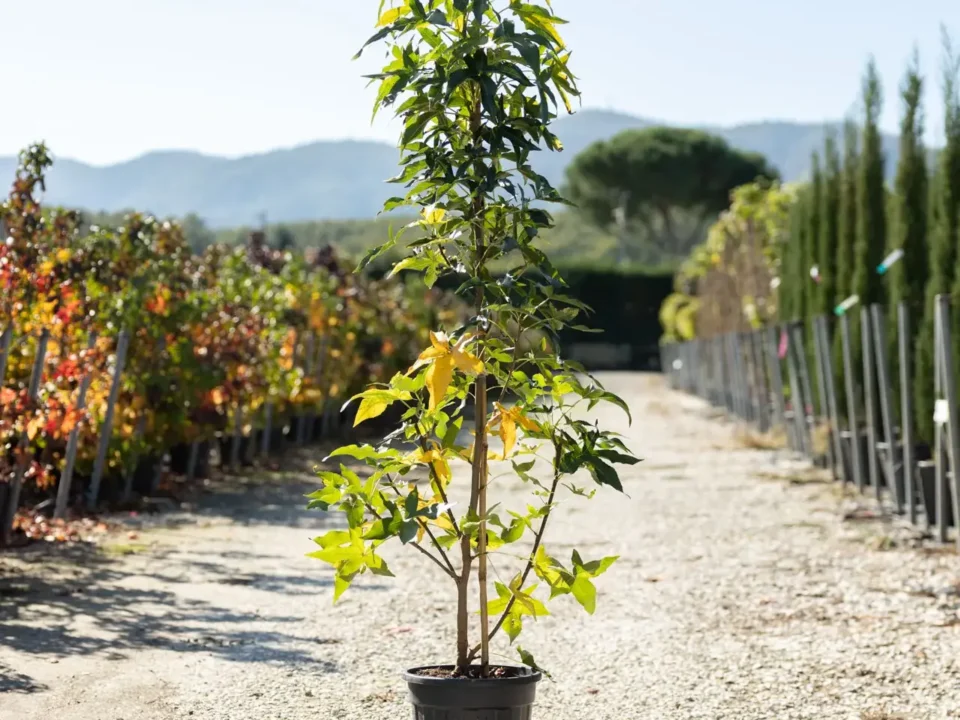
x: 105, y: 80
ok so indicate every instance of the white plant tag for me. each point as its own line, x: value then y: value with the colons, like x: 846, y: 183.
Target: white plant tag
x: 941, y: 412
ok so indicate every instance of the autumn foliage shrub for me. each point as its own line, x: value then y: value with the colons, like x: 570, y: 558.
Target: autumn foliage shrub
x: 211, y: 337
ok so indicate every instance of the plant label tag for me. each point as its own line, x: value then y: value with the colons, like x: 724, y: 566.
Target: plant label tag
x: 890, y: 260
x: 941, y: 412
x: 846, y: 305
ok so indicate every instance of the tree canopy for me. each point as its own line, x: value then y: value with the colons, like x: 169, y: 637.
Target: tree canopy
x: 654, y: 176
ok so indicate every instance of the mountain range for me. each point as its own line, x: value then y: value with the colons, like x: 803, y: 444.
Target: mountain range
x: 344, y: 179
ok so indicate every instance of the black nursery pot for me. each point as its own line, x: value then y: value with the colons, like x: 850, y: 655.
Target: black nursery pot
x: 445, y: 698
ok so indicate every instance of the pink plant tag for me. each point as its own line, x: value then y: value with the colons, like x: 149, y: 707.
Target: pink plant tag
x: 782, y: 349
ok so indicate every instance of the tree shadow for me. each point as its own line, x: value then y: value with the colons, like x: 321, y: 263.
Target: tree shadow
x: 58, y: 601
x: 12, y: 681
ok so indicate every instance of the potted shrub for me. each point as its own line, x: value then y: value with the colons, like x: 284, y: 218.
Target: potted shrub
x: 476, y: 84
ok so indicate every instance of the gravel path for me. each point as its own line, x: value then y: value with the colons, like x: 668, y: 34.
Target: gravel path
x: 741, y: 593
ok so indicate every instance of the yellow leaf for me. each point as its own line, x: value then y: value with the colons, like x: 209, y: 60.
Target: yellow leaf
x: 441, y: 469
x: 466, y: 362
x: 375, y: 402
x: 508, y: 434
x: 433, y: 215
x: 504, y: 424
x: 33, y: 427
x: 392, y: 15
x: 438, y: 379
x: 370, y: 408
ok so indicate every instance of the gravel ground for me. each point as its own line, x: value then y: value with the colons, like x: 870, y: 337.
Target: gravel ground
x: 747, y: 588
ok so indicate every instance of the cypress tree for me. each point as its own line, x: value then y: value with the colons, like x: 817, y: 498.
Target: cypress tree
x: 908, y: 278
x: 944, y: 222
x: 812, y: 237
x: 829, y: 202
x: 811, y: 303
x: 871, y: 198
x: 791, y: 283
x: 871, y: 215
x: 846, y: 240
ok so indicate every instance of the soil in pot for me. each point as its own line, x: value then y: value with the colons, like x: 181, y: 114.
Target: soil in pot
x: 436, y: 694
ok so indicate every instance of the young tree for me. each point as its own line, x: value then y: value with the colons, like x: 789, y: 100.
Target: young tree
x: 809, y: 272
x: 944, y: 221
x: 908, y: 278
x: 846, y: 238
x: 871, y: 197
x: 476, y: 88
x: 792, y: 275
x: 828, y: 236
x: 814, y: 221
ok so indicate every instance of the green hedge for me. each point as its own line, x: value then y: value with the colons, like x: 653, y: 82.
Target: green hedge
x: 626, y: 306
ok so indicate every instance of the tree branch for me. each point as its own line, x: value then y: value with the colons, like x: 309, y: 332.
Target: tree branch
x: 451, y: 572
x: 530, y: 561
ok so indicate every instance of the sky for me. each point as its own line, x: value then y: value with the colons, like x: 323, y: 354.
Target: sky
x: 106, y: 80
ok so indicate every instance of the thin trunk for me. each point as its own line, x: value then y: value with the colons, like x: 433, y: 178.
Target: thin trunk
x: 482, y: 511
x: 478, y: 479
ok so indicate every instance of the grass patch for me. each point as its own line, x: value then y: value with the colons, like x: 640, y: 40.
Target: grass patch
x: 125, y: 548
x: 751, y: 439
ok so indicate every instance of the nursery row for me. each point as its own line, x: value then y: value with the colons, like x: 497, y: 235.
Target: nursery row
x: 763, y: 377
x: 119, y: 344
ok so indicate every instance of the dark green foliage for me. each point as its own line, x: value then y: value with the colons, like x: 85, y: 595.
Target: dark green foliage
x: 943, y: 223
x: 811, y: 238
x: 871, y: 198
x: 282, y: 238
x: 792, y: 277
x: 846, y: 240
x: 811, y: 247
x: 648, y: 175
x: 828, y: 237
x: 908, y: 278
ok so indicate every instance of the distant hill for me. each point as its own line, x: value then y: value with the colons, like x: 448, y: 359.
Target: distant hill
x: 345, y: 179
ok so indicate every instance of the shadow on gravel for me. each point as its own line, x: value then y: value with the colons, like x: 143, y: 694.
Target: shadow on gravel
x: 12, y: 681
x: 76, y: 600
x: 81, y: 603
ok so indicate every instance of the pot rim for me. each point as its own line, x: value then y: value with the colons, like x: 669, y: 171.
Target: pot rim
x: 530, y: 678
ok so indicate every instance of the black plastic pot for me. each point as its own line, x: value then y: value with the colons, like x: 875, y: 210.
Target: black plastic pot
x: 441, y: 698
x: 180, y: 459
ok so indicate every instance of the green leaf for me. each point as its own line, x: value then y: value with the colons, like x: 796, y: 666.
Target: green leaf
x: 414, y: 262
x: 408, y: 531
x: 340, y: 585
x: 585, y: 593
x: 616, y: 400
x: 378, y: 566
x: 618, y: 457
x: 598, y: 567
x: 528, y: 660
x: 361, y: 452
x: 515, y: 531
x: 513, y: 626
x: 604, y: 474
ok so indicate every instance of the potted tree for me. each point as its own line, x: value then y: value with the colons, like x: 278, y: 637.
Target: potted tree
x: 476, y: 84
